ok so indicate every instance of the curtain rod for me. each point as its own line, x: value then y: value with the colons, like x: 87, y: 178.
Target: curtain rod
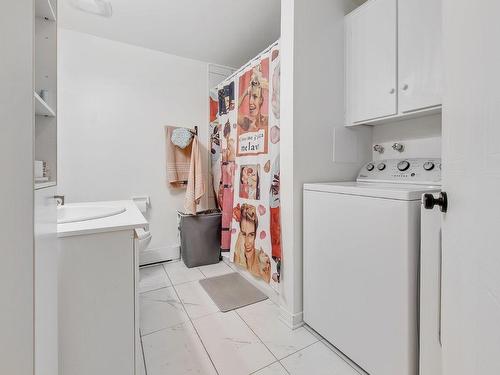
x: 267, y: 49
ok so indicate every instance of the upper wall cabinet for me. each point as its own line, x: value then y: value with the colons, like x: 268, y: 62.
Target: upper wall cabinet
x: 420, y: 52
x: 393, y: 60
x: 371, y: 62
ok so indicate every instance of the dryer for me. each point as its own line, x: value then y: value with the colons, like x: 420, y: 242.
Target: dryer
x: 361, y: 262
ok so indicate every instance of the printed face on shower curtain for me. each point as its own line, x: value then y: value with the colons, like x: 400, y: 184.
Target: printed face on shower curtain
x: 246, y: 253
x: 253, y: 110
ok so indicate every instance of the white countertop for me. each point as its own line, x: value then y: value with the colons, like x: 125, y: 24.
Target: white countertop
x: 132, y: 218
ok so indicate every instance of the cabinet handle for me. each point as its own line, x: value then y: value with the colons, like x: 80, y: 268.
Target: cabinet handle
x: 405, y: 87
x: 392, y: 91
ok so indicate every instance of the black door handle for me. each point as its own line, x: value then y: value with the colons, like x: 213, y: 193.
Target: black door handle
x: 429, y: 201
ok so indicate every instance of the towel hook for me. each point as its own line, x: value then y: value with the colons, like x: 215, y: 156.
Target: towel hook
x: 195, y: 131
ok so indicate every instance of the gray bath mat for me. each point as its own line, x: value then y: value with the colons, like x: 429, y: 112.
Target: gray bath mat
x: 231, y: 291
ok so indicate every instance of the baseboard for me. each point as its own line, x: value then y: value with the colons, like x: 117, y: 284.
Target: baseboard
x: 293, y: 321
x: 160, y: 254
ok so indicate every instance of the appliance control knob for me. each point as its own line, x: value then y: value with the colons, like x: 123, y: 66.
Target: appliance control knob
x: 370, y: 167
x: 429, y: 166
x: 403, y: 165
x: 381, y: 166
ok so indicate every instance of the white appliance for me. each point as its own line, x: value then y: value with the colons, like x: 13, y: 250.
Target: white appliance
x: 361, y: 261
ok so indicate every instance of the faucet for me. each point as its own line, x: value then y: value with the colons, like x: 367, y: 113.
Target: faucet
x: 398, y: 147
x: 60, y: 199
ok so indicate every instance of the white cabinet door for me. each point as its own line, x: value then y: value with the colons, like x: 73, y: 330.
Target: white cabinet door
x: 97, y: 304
x: 420, y: 54
x: 371, y: 61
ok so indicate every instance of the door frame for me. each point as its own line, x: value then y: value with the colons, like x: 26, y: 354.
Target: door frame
x: 16, y: 188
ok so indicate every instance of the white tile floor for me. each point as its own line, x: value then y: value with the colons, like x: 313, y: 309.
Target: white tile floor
x: 183, y: 331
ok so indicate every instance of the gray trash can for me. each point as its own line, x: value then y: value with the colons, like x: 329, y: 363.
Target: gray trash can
x: 200, y: 237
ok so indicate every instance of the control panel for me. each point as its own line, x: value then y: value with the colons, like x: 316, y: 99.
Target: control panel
x: 410, y: 171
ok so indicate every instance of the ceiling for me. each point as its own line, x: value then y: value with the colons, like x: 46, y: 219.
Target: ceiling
x: 226, y: 32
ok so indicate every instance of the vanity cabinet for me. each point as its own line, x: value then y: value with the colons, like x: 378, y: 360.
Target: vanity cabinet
x: 98, y: 289
x: 393, y: 60
x: 99, y: 328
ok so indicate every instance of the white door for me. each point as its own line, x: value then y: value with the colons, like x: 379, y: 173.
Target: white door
x: 371, y: 61
x: 471, y: 156
x: 420, y: 54
x: 16, y: 187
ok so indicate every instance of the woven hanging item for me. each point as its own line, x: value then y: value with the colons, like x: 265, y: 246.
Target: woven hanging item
x: 181, y: 137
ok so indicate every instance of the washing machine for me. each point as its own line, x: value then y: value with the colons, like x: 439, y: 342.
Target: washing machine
x: 361, y: 262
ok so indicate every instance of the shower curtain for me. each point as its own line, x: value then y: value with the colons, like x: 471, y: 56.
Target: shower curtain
x: 245, y: 135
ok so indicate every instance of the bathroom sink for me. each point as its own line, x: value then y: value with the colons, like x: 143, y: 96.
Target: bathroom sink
x: 76, y: 213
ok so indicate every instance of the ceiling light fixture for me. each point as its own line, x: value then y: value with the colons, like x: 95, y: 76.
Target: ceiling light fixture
x: 99, y: 7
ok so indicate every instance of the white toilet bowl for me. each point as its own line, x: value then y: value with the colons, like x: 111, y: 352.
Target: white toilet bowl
x: 143, y: 238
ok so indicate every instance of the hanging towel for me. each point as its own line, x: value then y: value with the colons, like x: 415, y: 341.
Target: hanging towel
x: 178, y: 161
x: 196, y: 186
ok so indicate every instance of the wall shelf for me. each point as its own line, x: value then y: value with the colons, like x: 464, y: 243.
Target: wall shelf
x: 44, y: 9
x: 42, y: 108
x: 45, y: 58
x: 43, y: 185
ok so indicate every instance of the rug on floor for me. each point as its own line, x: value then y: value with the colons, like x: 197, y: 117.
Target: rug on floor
x: 231, y: 291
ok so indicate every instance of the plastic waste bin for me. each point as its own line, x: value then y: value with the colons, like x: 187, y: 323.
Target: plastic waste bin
x: 200, y: 237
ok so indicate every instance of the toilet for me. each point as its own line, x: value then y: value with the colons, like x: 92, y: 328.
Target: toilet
x: 143, y: 238
x: 143, y: 235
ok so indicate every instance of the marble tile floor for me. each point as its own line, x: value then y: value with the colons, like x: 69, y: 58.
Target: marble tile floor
x: 183, y: 331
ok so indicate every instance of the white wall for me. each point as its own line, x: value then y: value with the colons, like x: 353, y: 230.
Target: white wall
x: 115, y: 99
x: 420, y: 136
x: 312, y: 106
x: 16, y: 187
